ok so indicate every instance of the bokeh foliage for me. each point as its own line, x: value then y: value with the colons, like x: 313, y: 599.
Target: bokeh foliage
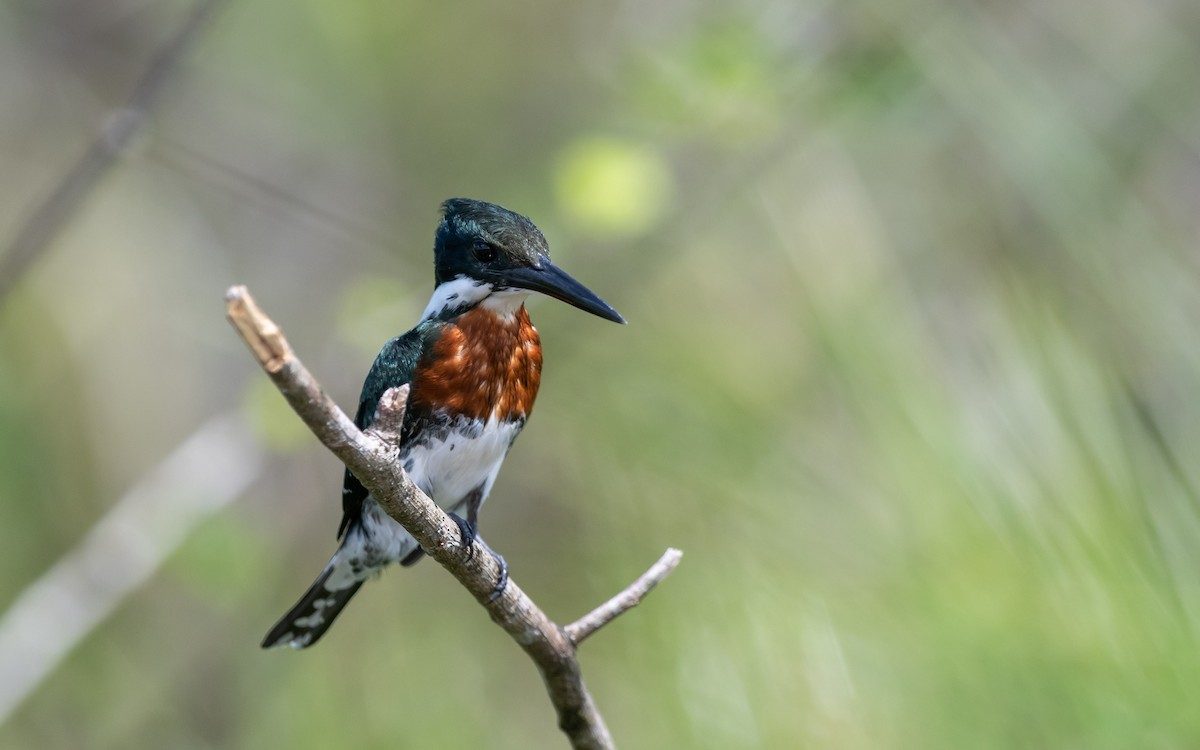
x: 908, y: 374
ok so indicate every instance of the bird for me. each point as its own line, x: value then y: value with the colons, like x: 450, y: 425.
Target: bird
x: 474, y: 364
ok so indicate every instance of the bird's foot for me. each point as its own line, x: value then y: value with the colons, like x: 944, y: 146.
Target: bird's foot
x: 468, y: 533
x: 502, y: 581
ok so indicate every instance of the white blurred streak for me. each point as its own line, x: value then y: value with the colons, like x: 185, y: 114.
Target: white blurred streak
x: 121, y: 552
x: 826, y: 669
x: 717, y: 695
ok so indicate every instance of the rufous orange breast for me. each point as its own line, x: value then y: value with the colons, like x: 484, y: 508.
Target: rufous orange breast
x: 483, y: 365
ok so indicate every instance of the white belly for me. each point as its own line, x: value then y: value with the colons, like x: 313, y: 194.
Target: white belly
x: 447, y: 468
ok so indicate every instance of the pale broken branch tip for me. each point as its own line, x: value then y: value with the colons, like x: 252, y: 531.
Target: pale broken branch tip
x: 389, y: 415
x: 260, y: 333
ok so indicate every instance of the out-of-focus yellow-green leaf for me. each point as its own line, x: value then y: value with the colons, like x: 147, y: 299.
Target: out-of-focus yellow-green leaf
x: 611, y: 186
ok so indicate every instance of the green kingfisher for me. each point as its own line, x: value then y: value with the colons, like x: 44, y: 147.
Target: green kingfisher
x: 474, y: 364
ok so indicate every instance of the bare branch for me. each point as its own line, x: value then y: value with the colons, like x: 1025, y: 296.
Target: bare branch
x: 624, y: 601
x: 298, y: 386
x: 371, y: 456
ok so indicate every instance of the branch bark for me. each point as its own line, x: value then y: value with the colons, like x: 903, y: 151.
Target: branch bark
x: 371, y: 456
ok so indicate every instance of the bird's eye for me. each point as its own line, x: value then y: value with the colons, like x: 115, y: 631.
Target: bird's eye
x: 484, y: 253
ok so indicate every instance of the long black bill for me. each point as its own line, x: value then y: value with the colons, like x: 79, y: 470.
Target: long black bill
x: 551, y: 280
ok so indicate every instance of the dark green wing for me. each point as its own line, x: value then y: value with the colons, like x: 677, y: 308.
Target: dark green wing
x: 394, y: 366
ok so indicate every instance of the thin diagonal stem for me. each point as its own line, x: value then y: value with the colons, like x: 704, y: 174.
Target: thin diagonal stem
x: 624, y: 601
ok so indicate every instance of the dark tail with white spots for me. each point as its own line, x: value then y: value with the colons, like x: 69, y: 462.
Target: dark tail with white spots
x: 306, y: 622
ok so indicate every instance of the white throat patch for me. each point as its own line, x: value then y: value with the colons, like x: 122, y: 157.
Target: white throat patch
x: 460, y: 292
x: 505, y: 302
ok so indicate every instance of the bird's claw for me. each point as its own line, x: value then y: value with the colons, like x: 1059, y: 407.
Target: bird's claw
x: 502, y: 582
x: 468, y: 533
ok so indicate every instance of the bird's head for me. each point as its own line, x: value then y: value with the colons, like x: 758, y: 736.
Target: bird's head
x: 484, y: 251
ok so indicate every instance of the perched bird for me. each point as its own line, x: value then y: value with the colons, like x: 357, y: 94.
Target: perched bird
x: 474, y: 363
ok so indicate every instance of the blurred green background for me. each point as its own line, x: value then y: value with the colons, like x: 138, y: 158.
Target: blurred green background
x: 910, y: 374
